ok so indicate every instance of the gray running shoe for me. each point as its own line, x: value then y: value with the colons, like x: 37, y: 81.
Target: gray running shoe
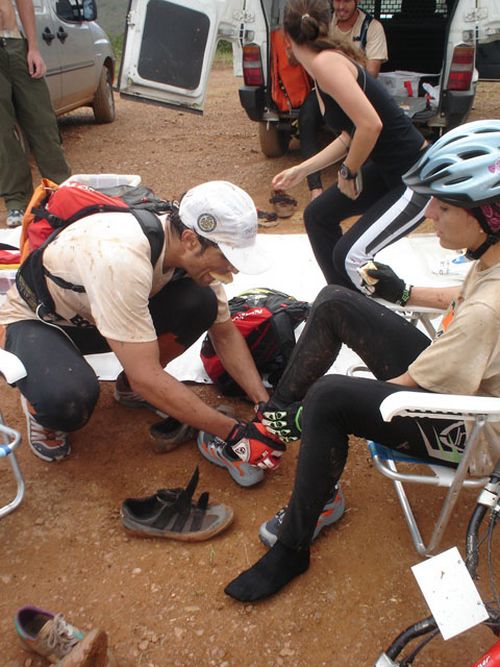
x: 332, y: 511
x: 15, y: 217
x: 214, y: 450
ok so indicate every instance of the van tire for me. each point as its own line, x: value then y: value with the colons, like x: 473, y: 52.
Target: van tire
x: 104, y: 103
x: 273, y: 141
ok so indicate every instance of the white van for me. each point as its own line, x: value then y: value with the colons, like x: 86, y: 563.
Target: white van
x: 170, y: 45
x: 79, y: 56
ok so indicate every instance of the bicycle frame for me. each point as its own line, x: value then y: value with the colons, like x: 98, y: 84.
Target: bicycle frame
x: 491, y: 658
x: 488, y: 501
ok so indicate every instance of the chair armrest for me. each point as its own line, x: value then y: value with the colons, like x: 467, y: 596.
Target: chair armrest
x: 11, y: 367
x: 439, y: 406
x: 409, y: 309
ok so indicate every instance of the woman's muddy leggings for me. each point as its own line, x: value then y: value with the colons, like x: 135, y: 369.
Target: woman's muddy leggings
x: 337, y: 406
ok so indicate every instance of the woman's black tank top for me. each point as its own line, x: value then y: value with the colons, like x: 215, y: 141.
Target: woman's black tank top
x: 399, y: 142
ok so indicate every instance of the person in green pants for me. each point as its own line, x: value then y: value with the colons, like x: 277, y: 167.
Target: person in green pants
x: 25, y: 101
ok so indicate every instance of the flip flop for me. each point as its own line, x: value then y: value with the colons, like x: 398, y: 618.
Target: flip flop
x: 266, y: 218
x: 171, y: 513
x: 284, y: 204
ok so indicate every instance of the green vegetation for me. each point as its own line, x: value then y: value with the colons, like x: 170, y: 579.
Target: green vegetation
x: 117, y: 44
x: 224, y: 53
x: 223, y: 56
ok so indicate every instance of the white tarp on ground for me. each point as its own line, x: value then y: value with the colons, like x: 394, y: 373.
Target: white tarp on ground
x: 418, y: 259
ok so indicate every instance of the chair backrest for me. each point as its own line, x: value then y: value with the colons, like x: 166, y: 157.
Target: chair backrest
x: 434, y: 406
x: 12, y: 369
x: 11, y: 440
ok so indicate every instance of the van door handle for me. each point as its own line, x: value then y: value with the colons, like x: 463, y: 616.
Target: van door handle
x: 48, y: 36
x: 62, y: 34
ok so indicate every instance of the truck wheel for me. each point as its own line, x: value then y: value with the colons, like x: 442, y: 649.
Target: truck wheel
x: 104, y: 103
x: 454, y: 120
x: 273, y: 142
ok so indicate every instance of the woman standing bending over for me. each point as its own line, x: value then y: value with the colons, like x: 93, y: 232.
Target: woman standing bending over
x: 377, y: 142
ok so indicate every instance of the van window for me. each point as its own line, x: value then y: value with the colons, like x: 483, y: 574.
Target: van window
x: 173, y: 56
x: 69, y: 10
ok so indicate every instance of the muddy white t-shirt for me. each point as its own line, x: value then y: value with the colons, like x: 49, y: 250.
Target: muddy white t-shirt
x: 109, y: 255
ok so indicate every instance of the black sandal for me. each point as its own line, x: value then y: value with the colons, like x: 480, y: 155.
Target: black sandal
x: 266, y: 218
x: 172, y: 513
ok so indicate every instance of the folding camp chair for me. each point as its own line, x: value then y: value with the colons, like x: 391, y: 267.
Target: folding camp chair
x: 476, y: 409
x: 12, y: 369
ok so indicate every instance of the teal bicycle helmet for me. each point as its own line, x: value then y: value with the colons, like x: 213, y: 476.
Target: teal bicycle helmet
x: 463, y: 168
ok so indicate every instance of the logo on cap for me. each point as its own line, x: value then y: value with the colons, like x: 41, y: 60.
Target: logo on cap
x: 206, y: 222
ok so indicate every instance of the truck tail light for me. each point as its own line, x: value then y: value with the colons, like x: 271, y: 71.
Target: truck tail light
x: 462, y: 68
x: 252, y: 66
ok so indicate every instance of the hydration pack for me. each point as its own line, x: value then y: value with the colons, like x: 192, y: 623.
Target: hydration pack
x: 267, y: 320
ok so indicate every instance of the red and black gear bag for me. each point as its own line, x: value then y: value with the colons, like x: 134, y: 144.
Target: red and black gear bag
x: 52, y: 209
x: 267, y: 320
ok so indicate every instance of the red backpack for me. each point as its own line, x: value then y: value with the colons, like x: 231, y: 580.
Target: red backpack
x: 267, y: 320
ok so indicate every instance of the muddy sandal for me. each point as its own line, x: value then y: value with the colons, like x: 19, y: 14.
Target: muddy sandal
x: 172, y: 513
x: 284, y: 204
x: 267, y: 218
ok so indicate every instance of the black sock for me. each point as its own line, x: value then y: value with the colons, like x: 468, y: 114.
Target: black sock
x: 269, y: 574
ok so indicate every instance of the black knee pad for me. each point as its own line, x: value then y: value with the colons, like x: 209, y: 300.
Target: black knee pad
x: 67, y: 408
x: 195, y: 314
x: 184, y: 309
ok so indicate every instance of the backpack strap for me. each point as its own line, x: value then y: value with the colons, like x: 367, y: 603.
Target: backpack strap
x: 284, y: 331
x: 153, y: 229
x: 363, y: 33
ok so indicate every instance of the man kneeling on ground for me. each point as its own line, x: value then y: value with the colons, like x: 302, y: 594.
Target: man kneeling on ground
x: 107, y: 295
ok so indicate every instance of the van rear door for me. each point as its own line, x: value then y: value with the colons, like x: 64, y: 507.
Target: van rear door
x: 488, y: 39
x: 169, y: 48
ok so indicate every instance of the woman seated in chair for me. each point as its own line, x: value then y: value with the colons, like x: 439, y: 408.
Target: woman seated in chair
x: 461, y: 172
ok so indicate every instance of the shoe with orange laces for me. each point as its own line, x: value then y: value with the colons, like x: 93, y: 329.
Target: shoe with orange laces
x: 332, y: 511
x: 47, y: 444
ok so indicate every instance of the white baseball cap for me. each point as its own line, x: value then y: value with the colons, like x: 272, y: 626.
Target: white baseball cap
x: 225, y: 214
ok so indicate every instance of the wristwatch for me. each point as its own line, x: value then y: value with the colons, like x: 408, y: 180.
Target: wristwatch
x: 346, y: 173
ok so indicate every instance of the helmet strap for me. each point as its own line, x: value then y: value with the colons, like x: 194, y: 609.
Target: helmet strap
x: 479, y: 252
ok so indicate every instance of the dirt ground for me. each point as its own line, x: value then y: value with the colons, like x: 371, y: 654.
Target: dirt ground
x: 162, y: 602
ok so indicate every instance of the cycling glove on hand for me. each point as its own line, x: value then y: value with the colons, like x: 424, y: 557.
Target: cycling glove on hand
x: 389, y: 285
x: 253, y: 444
x: 284, y: 422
